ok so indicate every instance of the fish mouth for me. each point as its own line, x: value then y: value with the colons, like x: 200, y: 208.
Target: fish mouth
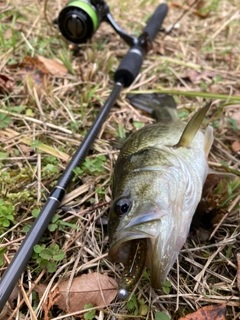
x: 164, y: 239
x: 120, y: 250
x: 133, y: 231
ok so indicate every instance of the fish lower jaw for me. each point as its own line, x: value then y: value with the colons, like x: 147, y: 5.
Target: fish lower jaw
x: 120, y: 250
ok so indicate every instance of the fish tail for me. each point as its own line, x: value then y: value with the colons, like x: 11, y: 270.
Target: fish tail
x: 161, y: 106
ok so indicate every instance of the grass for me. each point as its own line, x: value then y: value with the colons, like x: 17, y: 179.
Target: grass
x: 41, y: 129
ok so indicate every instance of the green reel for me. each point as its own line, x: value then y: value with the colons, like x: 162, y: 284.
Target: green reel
x: 79, y: 20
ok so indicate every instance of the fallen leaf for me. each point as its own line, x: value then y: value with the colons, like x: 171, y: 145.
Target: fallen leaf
x: 26, y: 150
x: 196, y: 77
x: 33, y: 71
x: 212, y: 312
x: 94, y: 288
x: 53, y: 66
x: 217, y: 88
x: 6, y: 83
x: 235, y: 146
x: 238, y: 271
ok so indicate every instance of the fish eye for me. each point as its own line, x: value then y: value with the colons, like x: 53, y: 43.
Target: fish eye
x: 123, y: 206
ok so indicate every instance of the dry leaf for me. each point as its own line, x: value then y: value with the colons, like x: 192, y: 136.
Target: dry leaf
x: 217, y: 88
x: 26, y: 150
x: 196, y: 77
x: 212, y: 312
x: 53, y: 66
x: 34, y: 71
x: 95, y: 288
x: 235, y: 146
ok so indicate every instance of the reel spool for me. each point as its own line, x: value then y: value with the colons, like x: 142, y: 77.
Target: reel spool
x: 80, y: 19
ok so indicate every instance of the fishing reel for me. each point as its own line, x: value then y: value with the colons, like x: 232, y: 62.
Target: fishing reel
x: 80, y: 19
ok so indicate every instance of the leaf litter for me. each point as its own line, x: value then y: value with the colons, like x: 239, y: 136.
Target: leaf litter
x: 212, y: 312
x: 92, y: 288
x: 200, y: 55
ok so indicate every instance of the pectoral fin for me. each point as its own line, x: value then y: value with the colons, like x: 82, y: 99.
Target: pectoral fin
x: 192, y: 127
x: 118, y: 142
x: 161, y: 106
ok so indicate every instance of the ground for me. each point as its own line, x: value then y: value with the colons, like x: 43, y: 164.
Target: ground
x: 47, y: 107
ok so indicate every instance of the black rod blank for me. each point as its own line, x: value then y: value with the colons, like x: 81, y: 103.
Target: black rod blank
x: 20, y: 260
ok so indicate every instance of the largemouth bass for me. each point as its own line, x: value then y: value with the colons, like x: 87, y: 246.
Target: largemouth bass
x: 157, y: 185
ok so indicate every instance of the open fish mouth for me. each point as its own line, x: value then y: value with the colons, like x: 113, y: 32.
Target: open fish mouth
x: 151, y: 243
x: 133, y: 231
x: 121, y: 249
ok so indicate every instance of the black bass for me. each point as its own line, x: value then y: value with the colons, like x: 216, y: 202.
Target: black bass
x: 157, y: 185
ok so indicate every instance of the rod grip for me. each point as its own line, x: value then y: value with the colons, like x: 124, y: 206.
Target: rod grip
x: 132, y: 62
x: 129, y: 67
x: 155, y: 21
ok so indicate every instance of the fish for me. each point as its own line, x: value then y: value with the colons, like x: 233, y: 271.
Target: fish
x: 157, y: 185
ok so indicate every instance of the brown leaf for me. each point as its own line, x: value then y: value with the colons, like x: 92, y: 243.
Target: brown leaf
x: 53, y: 66
x: 34, y: 71
x: 235, y: 146
x: 212, y: 312
x: 6, y: 83
x: 26, y: 150
x: 217, y: 88
x: 95, y: 288
x: 196, y: 77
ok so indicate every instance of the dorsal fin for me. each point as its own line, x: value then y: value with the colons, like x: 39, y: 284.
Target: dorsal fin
x: 161, y: 106
x: 192, y: 127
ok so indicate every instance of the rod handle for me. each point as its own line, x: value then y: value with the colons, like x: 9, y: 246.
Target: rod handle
x: 155, y: 21
x: 131, y: 64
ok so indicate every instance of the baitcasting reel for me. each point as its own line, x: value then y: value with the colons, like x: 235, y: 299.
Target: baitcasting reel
x: 80, y: 19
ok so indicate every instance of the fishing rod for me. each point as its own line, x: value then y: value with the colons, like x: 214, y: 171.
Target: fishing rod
x: 77, y: 17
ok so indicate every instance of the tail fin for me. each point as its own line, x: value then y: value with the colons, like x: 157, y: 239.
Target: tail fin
x: 161, y: 106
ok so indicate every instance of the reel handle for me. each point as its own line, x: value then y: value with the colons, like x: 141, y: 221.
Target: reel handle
x: 132, y: 62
